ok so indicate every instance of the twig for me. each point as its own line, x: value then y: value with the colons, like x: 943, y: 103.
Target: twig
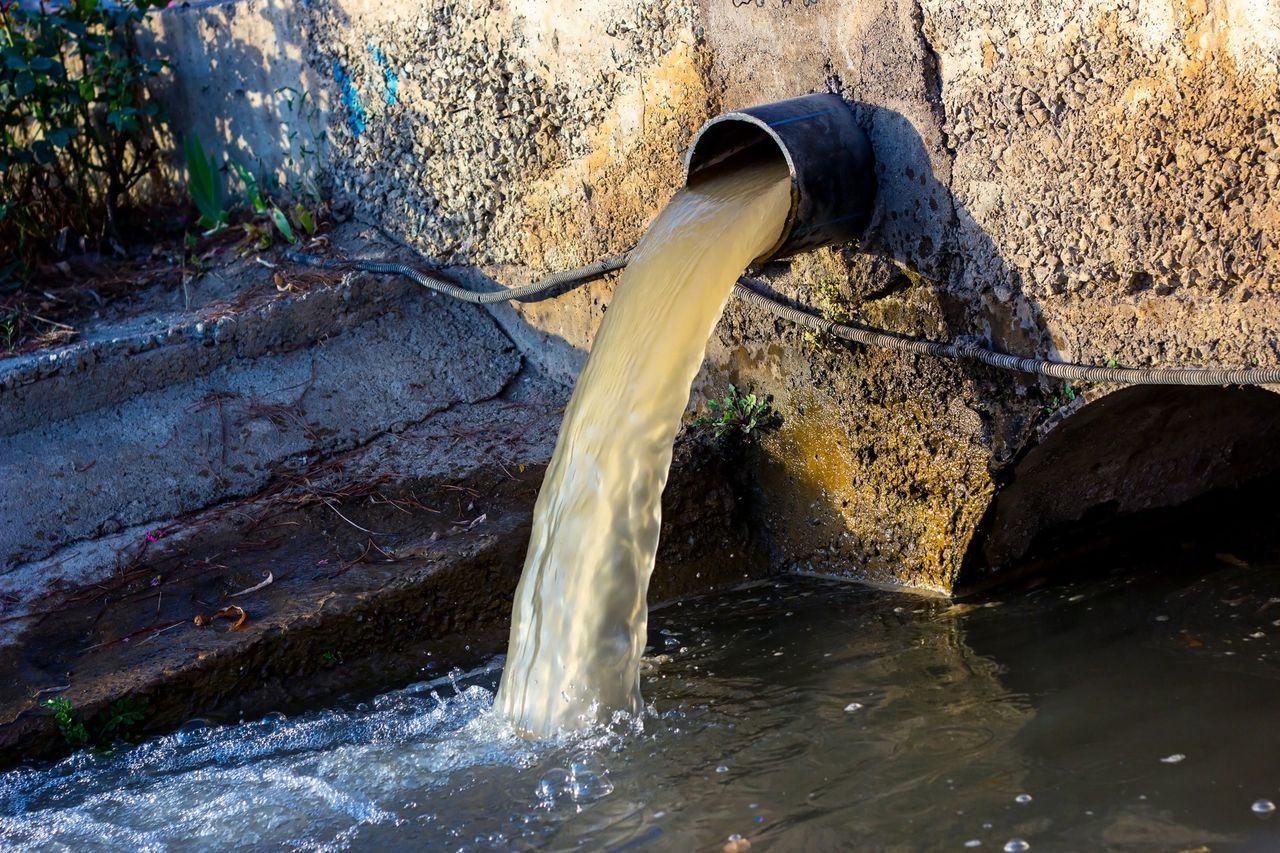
x: 256, y: 587
x: 330, y: 505
x: 51, y: 322
x: 162, y: 630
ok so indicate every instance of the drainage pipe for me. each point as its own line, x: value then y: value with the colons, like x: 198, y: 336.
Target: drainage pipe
x: 833, y: 176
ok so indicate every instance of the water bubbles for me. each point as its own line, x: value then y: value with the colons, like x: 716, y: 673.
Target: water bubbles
x: 1263, y: 808
x: 722, y: 769
x: 585, y: 781
x: 1176, y: 758
x: 1022, y: 799
x: 852, y: 706
x: 1016, y: 845
x: 553, y: 784
x: 590, y: 787
x: 973, y: 842
x: 190, y: 732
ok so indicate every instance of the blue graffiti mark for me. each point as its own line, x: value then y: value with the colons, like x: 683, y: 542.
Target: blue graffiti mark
x: 356, y: 117
x: 389, y: 78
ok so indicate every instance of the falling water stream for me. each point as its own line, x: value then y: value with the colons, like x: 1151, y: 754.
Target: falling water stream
x: 578, y: 626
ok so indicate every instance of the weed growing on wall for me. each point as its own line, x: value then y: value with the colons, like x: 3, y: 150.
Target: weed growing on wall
x: 287, y: 204
x: 115, y: 723
x: 737, y: 414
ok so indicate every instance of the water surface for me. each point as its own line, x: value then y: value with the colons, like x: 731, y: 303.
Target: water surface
x: 1117, y: 714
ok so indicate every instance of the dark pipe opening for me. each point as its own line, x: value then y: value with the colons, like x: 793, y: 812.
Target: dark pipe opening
x: 828, y: 154
x: 1145, y: 470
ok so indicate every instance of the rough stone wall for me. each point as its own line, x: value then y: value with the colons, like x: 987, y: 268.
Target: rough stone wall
x: 1092, y: 181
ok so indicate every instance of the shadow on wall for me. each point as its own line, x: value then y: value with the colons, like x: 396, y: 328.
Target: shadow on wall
x: 241, y: 79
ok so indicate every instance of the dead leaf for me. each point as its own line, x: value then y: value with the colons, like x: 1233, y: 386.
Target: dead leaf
x: 228, y: 612
x: 233, y: 610
x: 471, y: 525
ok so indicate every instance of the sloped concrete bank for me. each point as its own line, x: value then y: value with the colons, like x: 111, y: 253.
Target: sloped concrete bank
x: 383, y: 566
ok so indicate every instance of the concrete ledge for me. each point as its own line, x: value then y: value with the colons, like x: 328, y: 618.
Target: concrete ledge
x: 137, y: 425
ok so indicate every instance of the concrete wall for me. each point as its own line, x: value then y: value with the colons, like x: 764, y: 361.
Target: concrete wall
x: 1090, y: 181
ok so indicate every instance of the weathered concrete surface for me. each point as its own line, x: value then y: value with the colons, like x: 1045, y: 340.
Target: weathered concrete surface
x: 137, y: 425
x: 1091, y: 181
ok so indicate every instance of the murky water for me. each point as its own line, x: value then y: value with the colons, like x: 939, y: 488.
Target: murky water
x: 578, y: 621
x: 804, y: 715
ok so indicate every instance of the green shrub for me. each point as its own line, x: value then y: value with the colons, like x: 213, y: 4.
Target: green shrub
x: 113, y: 724
x: 76, y: 130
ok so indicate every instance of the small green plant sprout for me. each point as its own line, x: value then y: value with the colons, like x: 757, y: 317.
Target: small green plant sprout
x: 1057, y: 401
x: 269, y: 214
x: 737, y: 413
x: 70, y: 726
x: 204, y: 185
x: 108, y: 727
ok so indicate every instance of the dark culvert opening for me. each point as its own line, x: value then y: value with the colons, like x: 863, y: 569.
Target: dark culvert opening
x: 1144, y: 479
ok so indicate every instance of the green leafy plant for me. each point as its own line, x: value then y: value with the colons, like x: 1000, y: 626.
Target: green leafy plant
x: 204, y: 184
x: 268, y: 214
x: 114, y: 724
x: 119, y: 720
x: 70, y: 726
x: 737, y: 414
x: 76, y: 126
x: 1057, y: 401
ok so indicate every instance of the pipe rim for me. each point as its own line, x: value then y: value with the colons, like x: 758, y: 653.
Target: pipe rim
x: 724, y: 118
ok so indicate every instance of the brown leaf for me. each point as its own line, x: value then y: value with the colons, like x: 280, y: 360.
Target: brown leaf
x: 231, y: 612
